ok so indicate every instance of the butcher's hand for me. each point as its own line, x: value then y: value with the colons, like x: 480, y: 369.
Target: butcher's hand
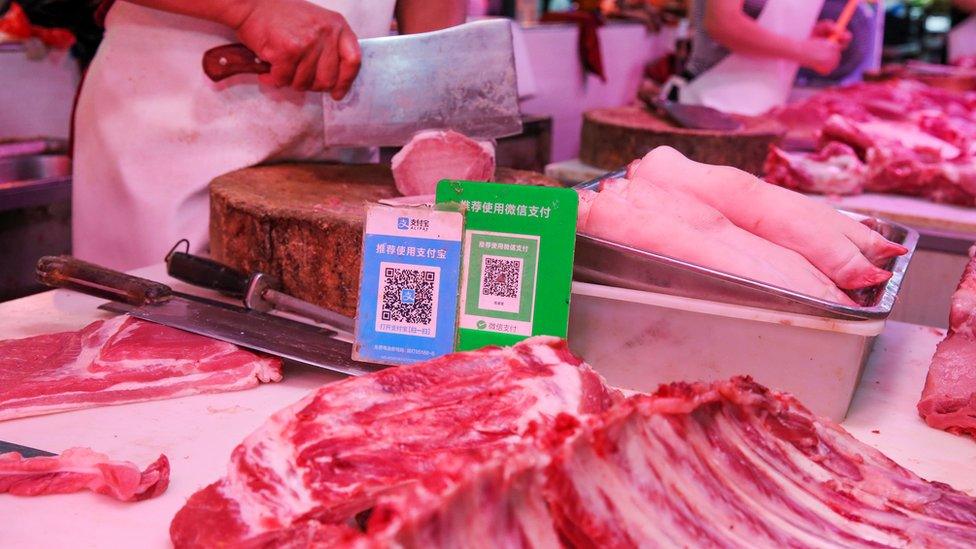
x: 308, y: 47
x: 825, y: 29
x: 820, y: 55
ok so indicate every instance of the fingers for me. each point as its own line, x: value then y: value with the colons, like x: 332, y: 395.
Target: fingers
x: 845, y: 39
x: 284, y: 62
x: 305, y: 72
x: 308, y: 48
x: 328, y: 69
x: 350, y: 58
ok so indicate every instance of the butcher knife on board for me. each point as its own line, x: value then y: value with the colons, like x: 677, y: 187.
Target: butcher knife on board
x: 461, y: 78
x: 157, y: 302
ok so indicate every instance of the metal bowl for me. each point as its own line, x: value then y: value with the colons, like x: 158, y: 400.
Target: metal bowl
x: 31, y: 167
x: 34, y: 180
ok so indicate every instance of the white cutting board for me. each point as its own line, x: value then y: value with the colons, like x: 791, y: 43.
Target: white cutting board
x: 198, y: 433
x: 917, y: 213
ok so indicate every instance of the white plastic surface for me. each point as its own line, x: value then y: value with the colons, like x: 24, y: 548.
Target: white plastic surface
x: 638, y: 340
x: 199, y: 432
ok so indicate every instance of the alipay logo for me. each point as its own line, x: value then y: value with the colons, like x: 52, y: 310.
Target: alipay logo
x: 403, y: 223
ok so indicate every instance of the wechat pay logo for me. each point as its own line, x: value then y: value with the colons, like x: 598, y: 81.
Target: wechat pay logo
x: 482, y: 324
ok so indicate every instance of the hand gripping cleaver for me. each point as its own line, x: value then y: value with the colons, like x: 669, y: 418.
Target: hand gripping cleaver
x: 461, y: 78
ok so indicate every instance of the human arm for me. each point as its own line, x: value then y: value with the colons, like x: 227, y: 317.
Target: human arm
x: 968, y: 6
x: 727, y: 23
x: 308, y: 47
x: 415, y: 16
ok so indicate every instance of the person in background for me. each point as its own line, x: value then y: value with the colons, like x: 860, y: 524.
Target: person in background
x: 724, y: 26
x: 961, y: 45
x: 151, y: 130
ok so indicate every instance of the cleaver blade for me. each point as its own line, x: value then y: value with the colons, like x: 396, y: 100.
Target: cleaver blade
x: 461, y: 78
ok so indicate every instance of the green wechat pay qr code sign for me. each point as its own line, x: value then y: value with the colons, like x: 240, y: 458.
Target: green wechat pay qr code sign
x: 517, y: 261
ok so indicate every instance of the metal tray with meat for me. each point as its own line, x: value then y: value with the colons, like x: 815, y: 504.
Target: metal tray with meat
x: 605, y: 262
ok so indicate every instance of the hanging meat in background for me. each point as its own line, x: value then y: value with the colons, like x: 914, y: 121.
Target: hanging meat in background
x: 726, y: 219
x: 433, y: 155
x: 949, y: 396
x: 909, y: 138
x: 833, y: 170
x: 78, y: 469
x: 120, y: 360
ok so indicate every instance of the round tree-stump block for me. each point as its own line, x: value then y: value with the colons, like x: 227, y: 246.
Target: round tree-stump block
x: 614, y: 137
x: 303, y: 224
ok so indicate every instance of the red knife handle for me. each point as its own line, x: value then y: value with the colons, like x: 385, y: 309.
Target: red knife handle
x: 845, y: 19
x: 231, y: 59
x: 64, y: 271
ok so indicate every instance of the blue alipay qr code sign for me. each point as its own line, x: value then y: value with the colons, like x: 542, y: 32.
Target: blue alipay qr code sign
x: 408, y: 298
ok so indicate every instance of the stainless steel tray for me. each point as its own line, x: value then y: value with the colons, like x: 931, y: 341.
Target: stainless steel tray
x: 604, y: 262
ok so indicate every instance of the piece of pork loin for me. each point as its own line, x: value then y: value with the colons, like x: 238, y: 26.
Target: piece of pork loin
x: 433, y: 155
x: 840, y: 247
x: 949, y: 397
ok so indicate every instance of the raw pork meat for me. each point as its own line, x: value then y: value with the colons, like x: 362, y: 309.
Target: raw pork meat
x: 434, y: 155
x: 120, y: 360
x: 728, y: 464
x: 949, y: 397
x: 334, y: 453
x: 838, y: 246
x: 732, y: 464
x: 834, y: 169
x: 913, y: 139
x: 80, y: 469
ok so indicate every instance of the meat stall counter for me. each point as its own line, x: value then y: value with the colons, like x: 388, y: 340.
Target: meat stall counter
x: 199, y: 432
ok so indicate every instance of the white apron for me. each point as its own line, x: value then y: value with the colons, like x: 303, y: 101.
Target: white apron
x: 151, y: 130
x: 751, y: 85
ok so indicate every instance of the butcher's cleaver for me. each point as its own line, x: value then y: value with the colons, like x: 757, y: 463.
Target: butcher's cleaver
x: 461, y: 78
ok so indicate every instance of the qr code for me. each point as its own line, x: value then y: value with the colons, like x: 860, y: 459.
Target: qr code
x: 501, y: 277
x: 408, y: 295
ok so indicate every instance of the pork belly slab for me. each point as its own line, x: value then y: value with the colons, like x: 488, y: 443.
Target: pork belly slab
x: 120, y: 360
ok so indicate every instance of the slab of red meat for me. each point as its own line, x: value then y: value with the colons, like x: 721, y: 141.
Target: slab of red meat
x: 732, y: 464
x: 915, y: 139
x: 834, y: 169
x: 333, y: 453
x: 434, y: 155
x: 728, y: 464
x: 80, y: 469
x: 949, y: 396
x: 120, y: 360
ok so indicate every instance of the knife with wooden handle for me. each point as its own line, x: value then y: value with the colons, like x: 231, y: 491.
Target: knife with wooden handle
x: 229, y: 60
x: 65, y: 271
x: 258, y: 291
x: 156, y: 302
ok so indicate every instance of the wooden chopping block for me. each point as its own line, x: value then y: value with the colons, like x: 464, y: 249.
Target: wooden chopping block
x: 303, y: 224
x: 614, y: 137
